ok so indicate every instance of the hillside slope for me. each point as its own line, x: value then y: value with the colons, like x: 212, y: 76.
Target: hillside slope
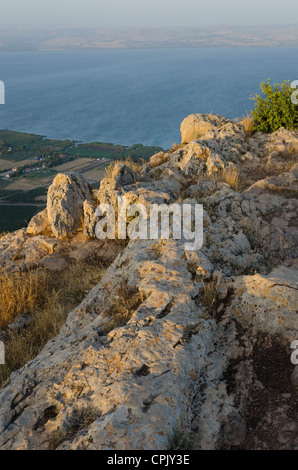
x: 171, y: 342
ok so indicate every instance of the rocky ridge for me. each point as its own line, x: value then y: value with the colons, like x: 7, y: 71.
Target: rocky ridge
x: 206, y: 349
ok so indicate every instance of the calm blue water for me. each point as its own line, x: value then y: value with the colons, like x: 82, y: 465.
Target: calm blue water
x: 130, y: 96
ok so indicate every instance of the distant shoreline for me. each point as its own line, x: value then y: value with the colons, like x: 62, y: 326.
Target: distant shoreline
x: 55, y: 39
x: 240, y: 46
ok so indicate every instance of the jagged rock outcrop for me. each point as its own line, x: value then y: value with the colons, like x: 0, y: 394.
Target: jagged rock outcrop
x: 65, y: 201
x: 205, y: 347
x: 195, y: 125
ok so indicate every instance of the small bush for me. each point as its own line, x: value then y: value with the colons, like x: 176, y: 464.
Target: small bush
x: 275, y: 109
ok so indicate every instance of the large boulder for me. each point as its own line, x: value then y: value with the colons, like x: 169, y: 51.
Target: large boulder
x: 268, y: 302
x: 195, y: 125
x: 65, y: 201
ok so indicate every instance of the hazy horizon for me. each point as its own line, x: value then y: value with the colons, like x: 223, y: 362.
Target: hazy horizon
x: 144, y: 14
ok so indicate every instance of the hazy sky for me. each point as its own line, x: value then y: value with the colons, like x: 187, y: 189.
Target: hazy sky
x: 146, y: 13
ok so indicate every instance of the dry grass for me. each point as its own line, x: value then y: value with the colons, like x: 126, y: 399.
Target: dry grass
x: 51, y: 297
x: 248, y: 124
x: 230, y: 176
x: 125, y: 303
x: 209, y: 295
x: 135, y: 166
x: 20, y: 293
x: 176, y: 147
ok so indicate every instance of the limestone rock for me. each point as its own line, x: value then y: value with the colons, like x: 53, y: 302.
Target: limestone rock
x: 195, y: 125
x: 39, y: 224
x: 90, y: 219
x: 268, y: 302
x: 158, y: 159
x: 65, y: 201
x: 123, y: 175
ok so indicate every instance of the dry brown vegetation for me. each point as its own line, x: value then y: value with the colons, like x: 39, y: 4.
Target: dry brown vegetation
x: 176, y: 147
x: 135, y: 166
x: 80, y: 419
x: 209, y: 295
x: 248, y: 124
x: 125, y: 303
x: 20, y: 293
x: 46, y: 298
x: 230, y: 176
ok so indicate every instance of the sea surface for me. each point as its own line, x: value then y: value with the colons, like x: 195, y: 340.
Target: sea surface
x: 132, y: 96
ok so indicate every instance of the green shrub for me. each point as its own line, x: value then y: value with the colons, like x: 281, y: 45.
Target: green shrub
x: 275, y: 109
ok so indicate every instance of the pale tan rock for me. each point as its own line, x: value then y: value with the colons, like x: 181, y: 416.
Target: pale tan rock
x: 195, y: 125
x: 158, y: 159
x: 268, y: 302
x: 65, y: 201
x: 90, y: 219
x: 39, y: 224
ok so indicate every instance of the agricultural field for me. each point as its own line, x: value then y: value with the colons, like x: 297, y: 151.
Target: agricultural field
x: 97, y: 150
x: 6, y: 165
x: 28, y: 146
x: 43, y: 176
x: 113, y: 152
x: 96, y: 174
x: 23, y: 194
x: 75, y: 165
x: 15, y: 217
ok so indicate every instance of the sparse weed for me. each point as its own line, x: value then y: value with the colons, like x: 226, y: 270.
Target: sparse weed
x: 182, y: 440
x: 209, y: 295
x: 248, y: 124
x: 230, y: 176
x: 125, y: 303
x: 80, y: 420
x: 136, y: 166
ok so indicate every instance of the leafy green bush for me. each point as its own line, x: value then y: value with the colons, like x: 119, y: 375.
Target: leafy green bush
x: 275, y: 109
